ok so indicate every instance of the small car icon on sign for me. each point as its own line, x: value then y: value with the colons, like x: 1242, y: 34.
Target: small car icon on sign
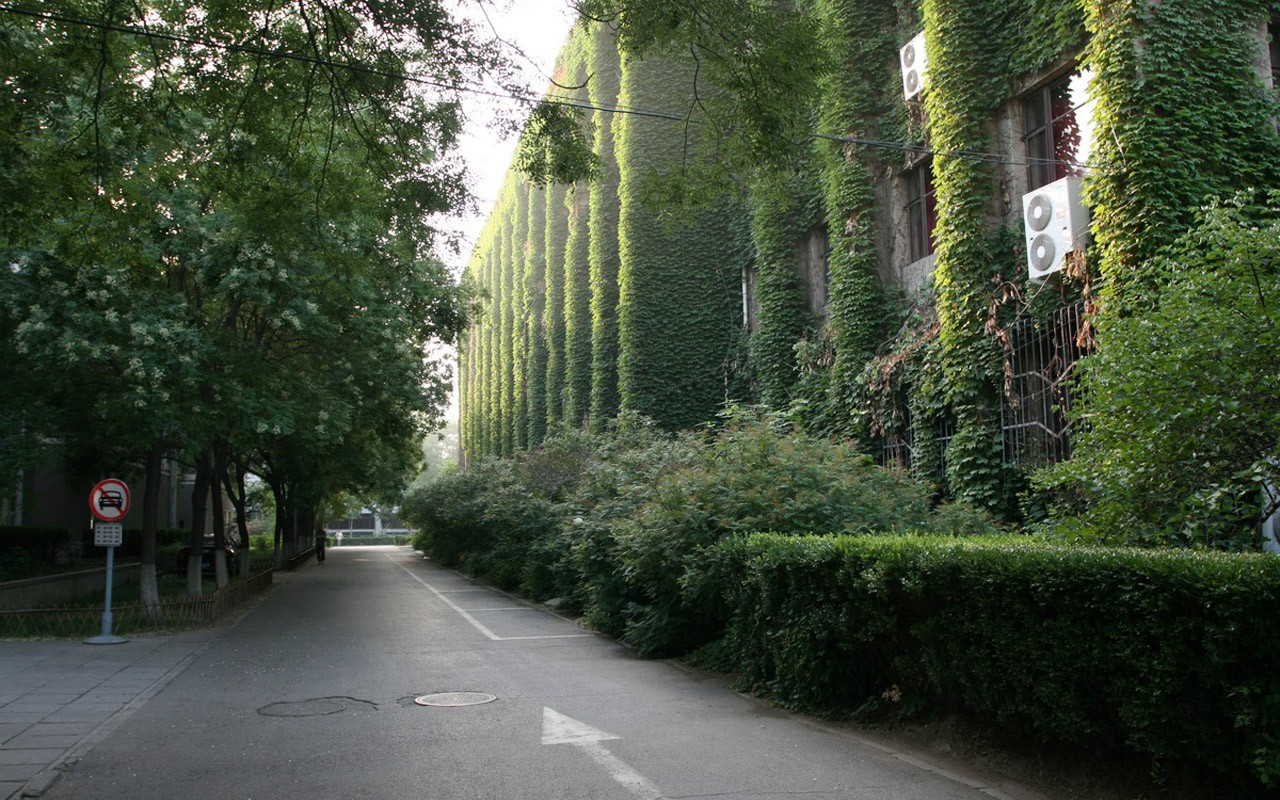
x: 109, y: 498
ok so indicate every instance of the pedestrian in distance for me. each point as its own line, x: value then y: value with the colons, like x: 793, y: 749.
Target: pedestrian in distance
x: 321, y: 540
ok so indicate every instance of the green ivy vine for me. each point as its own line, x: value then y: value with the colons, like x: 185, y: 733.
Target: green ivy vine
x: 603, y: 87
x: 853, y: 98
x: 535, y: 293
x: 784, y: 209
x: 1185, y: 119
x: 679, y: 284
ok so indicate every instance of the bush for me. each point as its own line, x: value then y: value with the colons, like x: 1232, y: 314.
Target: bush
x: 518, y: 522
x: 1168, y: 655
x: 631, y: 459
x: 1181, y: 429
x: 485, y: 520
x: 449, y: 513
x: 42, y: 545
x: 754, y: 476
x: 168, y: 540
x: 612, y: 522
x: 17, y: 564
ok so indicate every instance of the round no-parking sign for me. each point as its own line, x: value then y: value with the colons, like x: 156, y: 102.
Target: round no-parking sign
x: 109, y: 500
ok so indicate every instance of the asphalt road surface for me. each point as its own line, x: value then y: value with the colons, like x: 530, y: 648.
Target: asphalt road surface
x: 380, y: 675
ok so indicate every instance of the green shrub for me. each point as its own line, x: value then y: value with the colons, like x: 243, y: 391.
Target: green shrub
x: 754, y: 476
x: 610, y: 523
x: 17, y: 563
x: 485, y: 520
x: 1182, y: 427
x: 168, y: 540
x: 449, y: 512
x: 44, y: 545
x: 629, y: 461
x: 1170, y: 656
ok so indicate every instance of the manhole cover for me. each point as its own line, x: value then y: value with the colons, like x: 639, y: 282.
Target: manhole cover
x: 453, y: 699
x: 304, y: 708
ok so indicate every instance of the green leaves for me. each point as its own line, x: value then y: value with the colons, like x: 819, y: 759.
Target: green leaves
x: 1182, y: 428
x: 1164, y: 655
x: 759, y: 64
x: 224, y: 215
x: 556, y: 147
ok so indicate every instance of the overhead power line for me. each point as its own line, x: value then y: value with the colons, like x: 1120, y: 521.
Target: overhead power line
x: 530, y: 100
x: 994, y: 158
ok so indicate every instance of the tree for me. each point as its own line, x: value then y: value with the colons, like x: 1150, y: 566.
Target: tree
x: 216, y: 220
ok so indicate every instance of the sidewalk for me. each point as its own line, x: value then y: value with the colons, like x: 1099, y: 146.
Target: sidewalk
x: 60, y: 698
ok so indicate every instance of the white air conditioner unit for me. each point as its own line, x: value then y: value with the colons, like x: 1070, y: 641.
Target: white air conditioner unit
x: 914, y: 66
x: 1056, y: 222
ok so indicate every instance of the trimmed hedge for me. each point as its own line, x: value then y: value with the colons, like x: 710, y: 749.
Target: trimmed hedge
x: 1169, y: 655
x: 42, y: 544
x: 29, y: 551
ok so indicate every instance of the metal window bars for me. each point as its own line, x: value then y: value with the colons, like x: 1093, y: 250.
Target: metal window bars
x: 1035, y: 425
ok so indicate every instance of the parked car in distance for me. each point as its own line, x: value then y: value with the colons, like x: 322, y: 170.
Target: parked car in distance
x: 206, y: 557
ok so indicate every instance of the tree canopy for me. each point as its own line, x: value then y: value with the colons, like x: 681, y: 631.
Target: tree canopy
x: 216, y: 235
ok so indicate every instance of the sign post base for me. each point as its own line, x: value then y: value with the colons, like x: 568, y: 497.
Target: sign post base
x: 106, y: 639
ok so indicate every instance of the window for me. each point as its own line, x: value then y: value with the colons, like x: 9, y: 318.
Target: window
x: 922, y: 209
x: 1057, y: 123
x: 1041, y: 359
x: 812, y: 256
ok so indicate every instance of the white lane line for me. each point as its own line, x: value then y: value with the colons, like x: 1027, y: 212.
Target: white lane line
x: 559, y: 729
x: 544, y: 636
x: 475, y: 623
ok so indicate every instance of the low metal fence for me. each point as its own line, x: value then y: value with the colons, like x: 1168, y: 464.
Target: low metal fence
x: 169, y: 615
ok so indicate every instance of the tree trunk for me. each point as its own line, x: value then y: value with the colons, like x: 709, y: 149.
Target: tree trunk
x: 240, y: 501
x: 281, y: 515
x: 220, y: 565
x: 199, y: 508
x: 150, y: 592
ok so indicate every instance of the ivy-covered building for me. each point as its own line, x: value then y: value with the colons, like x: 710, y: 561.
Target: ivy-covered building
x: 986, y: 178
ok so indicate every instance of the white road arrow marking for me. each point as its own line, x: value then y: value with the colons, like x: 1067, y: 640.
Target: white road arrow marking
x: 559, y: 729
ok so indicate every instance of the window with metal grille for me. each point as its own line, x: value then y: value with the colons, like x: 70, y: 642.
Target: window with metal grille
x: 1042, y: 358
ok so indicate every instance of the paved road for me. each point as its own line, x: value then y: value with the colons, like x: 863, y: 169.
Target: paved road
x: 312, y: 695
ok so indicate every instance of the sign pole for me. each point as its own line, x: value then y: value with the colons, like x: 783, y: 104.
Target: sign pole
x: 106, y: 637
x: 109, y: 502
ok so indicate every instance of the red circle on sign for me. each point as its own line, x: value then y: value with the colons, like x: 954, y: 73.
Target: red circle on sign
x: 109, y: 500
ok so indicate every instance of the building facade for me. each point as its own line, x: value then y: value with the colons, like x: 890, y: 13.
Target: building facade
x: 986, y: 178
